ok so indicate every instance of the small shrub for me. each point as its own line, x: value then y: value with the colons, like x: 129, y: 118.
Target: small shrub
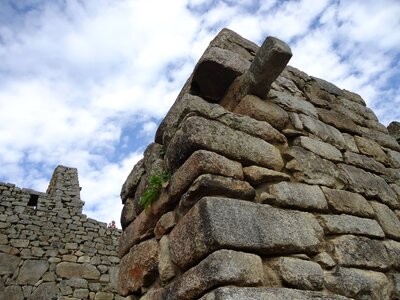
x: 156, y: 183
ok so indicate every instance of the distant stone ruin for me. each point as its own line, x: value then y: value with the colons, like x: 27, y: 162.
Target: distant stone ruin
x: 283, y: 186
x: 49, y: 250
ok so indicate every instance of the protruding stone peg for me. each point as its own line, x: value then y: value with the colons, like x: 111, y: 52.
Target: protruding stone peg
x: 269, y: 62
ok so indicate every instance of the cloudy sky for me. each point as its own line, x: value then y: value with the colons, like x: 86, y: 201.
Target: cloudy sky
x: 85, y: 83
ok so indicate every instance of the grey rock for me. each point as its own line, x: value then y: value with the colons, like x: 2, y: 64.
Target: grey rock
x: 338, y: 120
x: 369, y: 185
x: 208, y: 227
x: 371, y: 148
x: 70, y: 270
x: 383, y: 139
x: 293, y: 103
x: 165, y: 224
x: 263, y: 293
x: 8, y: 263
x: 202, y: 162
x: 299, y: 195
x: 31, y: 271
x: 358, y: 284
x: 130, y: 184
x: 198, y: 133
x: 322, y: 149
x: 257, y: 175
x: 301, y: 274
x: 263, y: 110
x: 393, y: 157
x: 394, y: 130
x: 166, y: 268
x: 346, y: 224
x: 393, y: 249
x: 395, y: 278
x: 347, y: 202
x: 45, y: 291
x: 221, y: 267
x: 350, y: 142
x: 325, y: 260
x: 325, y: 132
x: 328, y: 86
x: 104, y: 296
x: 358, y: 251
x: 214, y: 185
x: 365, y: 162
x: 78, y: 283
x: 215, y: 71
x: 12, y: 292
x: 138, y: 268
x: 310, y: 168
x: 268, y: 63
x: 387, y: 219
x: 353, y: 97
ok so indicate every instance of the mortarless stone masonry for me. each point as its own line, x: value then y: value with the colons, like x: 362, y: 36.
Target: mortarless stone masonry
x: 50, y: 250
x: 283, y: 186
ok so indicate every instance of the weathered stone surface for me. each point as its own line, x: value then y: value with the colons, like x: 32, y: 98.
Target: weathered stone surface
x: 8, y: 263
x: 394, y: 130
x: 393, y: 249
x: 347, y: 202
x: 214, y: 185
x: 70, y: 270
x: 198, y: 133
x: 325, y: 260
x: 237, y: 293
x: 350, y: 142
x: 364, y: 162
x: 139, y: 267
x: 358, y: 251
x: 383, y: 139
x: 310, y: 168
x: 215, y: 72
x: 358, y: 284
x: 322, y: 149
x: 208, y: 227
x: 268, y: 63
x: 325, y: 132
x: 165, y: 224
x: 328, y: 86
x: 371, y: 148
x: 257, y: 175
x: 369, y: 185
x: 130, y: 184
x: 166, y: 268
x: 353, y: 97
x: 202, y: 162
x: 338, y: 120
x: 45, y: 291
x: 263, y: 110
x: 223, y: 267
x: 395, y: 277
x: 12, y: 292
x: 129, y: 212
x: 31, y: 271
x: 293, y: 103
x: 393, y: 157
x: 300, y: 274
x: 299, y: 195
x: 387, y: 219
x: 104, y: 296
x: 342, y: 224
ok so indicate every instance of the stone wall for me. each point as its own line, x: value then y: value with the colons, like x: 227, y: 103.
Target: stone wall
x: 49, y: 249
x: 283, y: 186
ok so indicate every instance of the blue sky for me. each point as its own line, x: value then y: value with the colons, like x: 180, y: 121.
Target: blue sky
x: 86, y: 83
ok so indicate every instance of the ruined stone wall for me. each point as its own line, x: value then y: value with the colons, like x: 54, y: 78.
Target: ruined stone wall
x: 49, y: 249
x: 283, y: 186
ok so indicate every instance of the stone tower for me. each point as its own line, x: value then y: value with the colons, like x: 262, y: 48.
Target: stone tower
x: 49, y: 249
x: 283, y: 186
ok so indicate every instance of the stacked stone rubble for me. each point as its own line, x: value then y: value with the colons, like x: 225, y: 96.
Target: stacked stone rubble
x: 290, y: 194
x: 49, y: 249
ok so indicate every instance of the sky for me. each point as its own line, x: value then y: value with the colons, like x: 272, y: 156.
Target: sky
x: 85, y: 83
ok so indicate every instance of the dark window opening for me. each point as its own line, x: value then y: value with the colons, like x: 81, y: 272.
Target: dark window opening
x: 33, y: 201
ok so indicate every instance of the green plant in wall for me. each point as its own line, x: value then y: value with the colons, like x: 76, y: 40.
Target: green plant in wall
x: 156, y: 183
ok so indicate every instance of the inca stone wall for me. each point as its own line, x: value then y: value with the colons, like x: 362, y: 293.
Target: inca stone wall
x: 49, y: 249
x: 283, y: 186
